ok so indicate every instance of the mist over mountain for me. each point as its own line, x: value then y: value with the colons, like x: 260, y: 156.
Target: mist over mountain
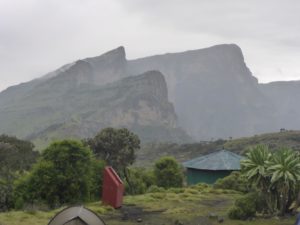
x: 214, y: 93
x: 200, y: 94
x: 285, y: 96
x: 78, y: 100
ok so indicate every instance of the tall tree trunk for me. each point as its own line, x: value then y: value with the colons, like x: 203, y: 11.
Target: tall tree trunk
x: 284, y: 196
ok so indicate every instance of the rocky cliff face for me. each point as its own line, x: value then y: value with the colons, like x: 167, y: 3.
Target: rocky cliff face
x: 213, y: 91
x: 72, y: 104
x: 285, y: 96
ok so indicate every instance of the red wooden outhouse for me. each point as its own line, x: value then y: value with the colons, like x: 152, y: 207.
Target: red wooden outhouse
x: 113, y: 188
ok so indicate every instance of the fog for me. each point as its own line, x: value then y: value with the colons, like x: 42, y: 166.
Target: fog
x: 39, y: 36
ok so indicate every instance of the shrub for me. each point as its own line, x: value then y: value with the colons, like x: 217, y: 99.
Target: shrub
x: 140, y: 180
x: 176, y: 190
x: 154, y: 189
x: 235, y: 181
x: 63, y: 175
x: 244, y: 207
x: 168, y: 173
x: 96, y: 178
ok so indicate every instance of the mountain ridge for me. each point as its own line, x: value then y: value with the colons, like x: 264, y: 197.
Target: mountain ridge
x: 210, y: 93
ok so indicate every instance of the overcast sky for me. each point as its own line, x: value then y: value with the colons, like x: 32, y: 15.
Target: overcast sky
x: 37, y: 36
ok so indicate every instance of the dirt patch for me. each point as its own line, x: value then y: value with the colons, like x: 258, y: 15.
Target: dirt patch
x: 134, y: 214
x: 215, y: 203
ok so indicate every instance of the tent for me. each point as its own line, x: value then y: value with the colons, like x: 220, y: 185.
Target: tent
x: 77, y: 215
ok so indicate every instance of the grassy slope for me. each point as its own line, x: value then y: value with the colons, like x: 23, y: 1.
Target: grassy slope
x: 150, y: 152
x: 189, y: 206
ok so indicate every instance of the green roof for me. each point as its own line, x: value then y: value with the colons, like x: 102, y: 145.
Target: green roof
x: 221, y: 160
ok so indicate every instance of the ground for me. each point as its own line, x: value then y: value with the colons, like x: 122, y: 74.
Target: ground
x: 197, y: 205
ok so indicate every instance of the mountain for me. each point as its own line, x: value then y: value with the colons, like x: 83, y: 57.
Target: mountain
x: 285, y: 96
x: 74, y: 103
x: 204, y: 94
x: 213, y: 91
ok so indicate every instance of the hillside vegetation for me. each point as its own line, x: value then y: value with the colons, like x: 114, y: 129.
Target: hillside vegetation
x: 150, y: 152
x: 199, y: 204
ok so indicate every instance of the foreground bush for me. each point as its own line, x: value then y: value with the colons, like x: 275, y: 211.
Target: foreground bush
x: 140, y: 180
x: 168, y: 173
x: 235, y: 181
x: 97, y: 167
x: 63, y: 175
x: 244, y: 207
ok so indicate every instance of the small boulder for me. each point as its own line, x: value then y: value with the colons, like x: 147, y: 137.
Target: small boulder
x: 220, y: 219
x: 212, y: 215
x: 177, y: 222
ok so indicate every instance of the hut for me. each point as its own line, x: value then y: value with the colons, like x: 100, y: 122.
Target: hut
x: 77, y: 215
x: 209, y: 168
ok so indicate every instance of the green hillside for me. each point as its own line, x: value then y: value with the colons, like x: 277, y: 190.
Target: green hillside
x: 150, y: 152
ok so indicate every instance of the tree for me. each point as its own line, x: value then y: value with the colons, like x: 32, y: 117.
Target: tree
x: 16, y: 156
x: 284, y: 169
x: 275, y: 175
x: 168, y: 173
x: 63, y: 175
x: 117, y: 148
x: 255, y: 167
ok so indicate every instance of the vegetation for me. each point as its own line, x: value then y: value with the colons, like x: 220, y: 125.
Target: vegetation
x: 117, y: 148
x: 151, y: 152
x: 199, y: 204
x: 235, y: 181
x: 141, y: 179
x: 168, y: 173
x: 244, y: 207
x: 16, y: 156
x: 62, y: 176
x: 70, y: 172
x: 97, y: 166
x: 275, y: 176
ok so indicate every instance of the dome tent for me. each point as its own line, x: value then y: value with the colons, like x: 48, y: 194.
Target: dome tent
x: 77, y: 215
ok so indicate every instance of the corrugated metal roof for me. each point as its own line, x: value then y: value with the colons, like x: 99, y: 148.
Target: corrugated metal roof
x: 221, y: 160
x: 74, y: 214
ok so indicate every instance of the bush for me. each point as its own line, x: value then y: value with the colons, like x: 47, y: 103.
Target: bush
x: 244, y: 207
x: 96, y: 179
x: 137, y: 186
x: 6, y: 198
x: 168, y: 173
x: 155, y: 189
x: 140, y: 180
x: 63, y: 175
x: 176, y: 190
x: 235, y: 181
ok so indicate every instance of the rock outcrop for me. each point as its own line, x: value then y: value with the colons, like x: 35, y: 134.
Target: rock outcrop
x: 70, y: 105
x: 209, y: 93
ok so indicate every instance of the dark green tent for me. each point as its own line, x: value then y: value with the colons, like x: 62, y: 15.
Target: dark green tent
x: 77, y: 215
x: 209, y: 168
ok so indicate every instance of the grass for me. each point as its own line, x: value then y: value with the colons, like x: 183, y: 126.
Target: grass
x: 191, y: 205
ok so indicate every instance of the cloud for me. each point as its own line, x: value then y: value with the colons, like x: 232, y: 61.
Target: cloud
x: 39, y: 36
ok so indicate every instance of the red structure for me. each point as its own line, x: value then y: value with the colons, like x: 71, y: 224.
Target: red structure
x: 113, y: 188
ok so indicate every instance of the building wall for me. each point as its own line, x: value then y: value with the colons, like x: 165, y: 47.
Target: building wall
x: 205, y: 176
